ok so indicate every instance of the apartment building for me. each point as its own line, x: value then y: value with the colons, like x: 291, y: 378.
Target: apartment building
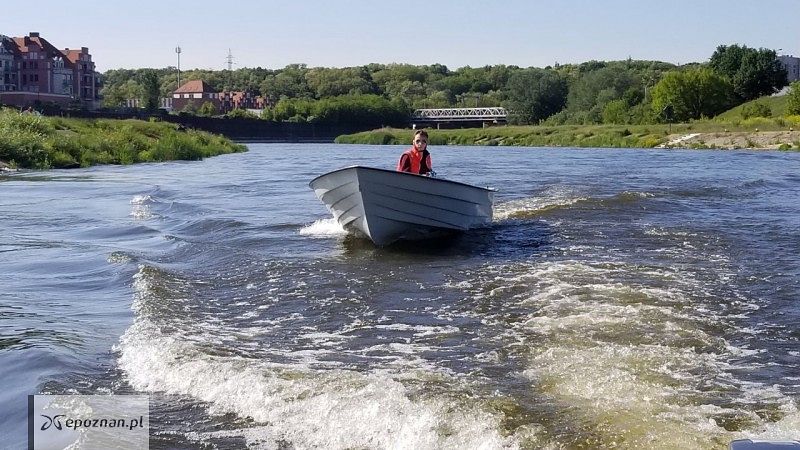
x: 792, y: 66
x: 34, y: 72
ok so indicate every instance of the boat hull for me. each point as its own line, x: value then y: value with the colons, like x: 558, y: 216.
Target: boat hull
x: 386, y: 206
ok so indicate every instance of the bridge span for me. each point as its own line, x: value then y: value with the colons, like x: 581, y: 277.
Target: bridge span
x: 493, y: 115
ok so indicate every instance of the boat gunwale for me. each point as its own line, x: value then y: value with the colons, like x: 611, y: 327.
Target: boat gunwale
x: 439, y: 180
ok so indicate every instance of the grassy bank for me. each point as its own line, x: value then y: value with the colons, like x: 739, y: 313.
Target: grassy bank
x: 38, y: 142
x: 776, y: 106
x: 634, y: 136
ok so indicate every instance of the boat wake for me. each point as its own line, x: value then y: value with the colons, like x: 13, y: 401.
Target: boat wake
x: 555, y: 200
x: 323, y: 228
x: 293, y: 401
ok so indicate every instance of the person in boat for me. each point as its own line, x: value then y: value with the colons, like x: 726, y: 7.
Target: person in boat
x: 417, y: 159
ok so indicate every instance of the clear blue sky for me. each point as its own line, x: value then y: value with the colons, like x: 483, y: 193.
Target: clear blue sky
x: 272, y: 34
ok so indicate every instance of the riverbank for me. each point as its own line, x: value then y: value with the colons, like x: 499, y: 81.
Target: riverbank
x: 754, y: 133
x: 774, y: 140
x: 31, y: 141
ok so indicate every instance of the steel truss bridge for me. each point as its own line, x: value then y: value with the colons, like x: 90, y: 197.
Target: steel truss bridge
x: 439, y: 115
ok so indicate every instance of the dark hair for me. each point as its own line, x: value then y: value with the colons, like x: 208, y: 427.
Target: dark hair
x: 421, y: 133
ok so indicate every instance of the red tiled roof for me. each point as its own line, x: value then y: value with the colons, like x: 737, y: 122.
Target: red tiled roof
x: 41, y: 43
x: 72, y: 55
x: 194, y: 86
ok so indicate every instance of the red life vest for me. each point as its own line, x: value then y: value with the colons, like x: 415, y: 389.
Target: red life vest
x: 415, y: 162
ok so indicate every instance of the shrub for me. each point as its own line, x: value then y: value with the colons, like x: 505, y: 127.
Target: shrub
x: 31, y: 141
x: 793, y: 100
x: 649, y: 142
x: 756, y: 109
x: 62, y: 160
x: 241, y: 114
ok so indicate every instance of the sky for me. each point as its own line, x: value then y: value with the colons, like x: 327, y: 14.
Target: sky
x: 338, y: 33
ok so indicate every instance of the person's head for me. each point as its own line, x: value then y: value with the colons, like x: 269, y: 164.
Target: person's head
x: 420, y: 140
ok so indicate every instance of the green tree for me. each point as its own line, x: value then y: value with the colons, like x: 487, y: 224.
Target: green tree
x: 290, y: 82
x: 598, y: 87
x: 327, y: 82
x: 189, y: 108
x: 616, y: 112
x: 437, y: 99
x: 151, y: 88
x: 401, y: 80
x: 113, y: 96
x: 793, y: 100
x: 693, y: 93
x: 207, y: 109
x: 753, y: 72
x: 287, y: 108
x: 535, y: 94
x: 117, y: 94
x: 131, y: 89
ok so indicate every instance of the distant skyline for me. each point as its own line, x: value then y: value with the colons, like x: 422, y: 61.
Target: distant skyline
x: 273, y: 34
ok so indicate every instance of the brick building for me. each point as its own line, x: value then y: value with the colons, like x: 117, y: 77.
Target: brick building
x: 194, y: 93
x: 197, y: 92
x: 34, y: 71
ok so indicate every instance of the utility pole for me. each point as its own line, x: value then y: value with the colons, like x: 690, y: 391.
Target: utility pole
x: 178, y: 51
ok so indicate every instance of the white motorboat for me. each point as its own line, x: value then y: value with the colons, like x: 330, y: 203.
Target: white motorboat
x: 387, y: 206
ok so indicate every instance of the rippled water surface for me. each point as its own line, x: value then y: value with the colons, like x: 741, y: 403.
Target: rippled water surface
x: 621, y: 299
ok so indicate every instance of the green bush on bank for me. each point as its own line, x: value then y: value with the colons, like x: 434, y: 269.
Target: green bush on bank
x: 38, y: 142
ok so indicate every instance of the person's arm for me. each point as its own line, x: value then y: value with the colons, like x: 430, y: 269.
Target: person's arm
x: 404, y: 165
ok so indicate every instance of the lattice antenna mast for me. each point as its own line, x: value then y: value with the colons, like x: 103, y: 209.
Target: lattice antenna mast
x: 229, y: 59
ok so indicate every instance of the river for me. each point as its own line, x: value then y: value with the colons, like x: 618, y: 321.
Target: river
x: 620, y: 299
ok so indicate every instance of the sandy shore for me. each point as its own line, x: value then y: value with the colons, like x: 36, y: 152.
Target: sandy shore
x: 736, y: 139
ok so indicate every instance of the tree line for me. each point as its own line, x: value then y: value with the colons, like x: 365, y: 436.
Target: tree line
x: 618, y: 92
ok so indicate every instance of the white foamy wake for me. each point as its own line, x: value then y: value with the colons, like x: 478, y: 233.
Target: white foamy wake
x: 553, y: 197
x: 308, y: 408
x: 628, y: 360
x: 323, y: 228
x: 140, y: 207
